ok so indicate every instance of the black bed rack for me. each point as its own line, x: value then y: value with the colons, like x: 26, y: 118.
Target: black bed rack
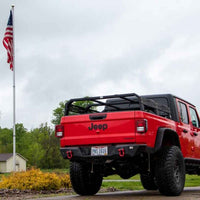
x: 115, y: 103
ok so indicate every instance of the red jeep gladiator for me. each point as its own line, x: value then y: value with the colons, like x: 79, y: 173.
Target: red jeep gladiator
x: 157, y: 136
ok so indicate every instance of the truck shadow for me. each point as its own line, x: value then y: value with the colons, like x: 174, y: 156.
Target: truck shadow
x: 188, y: 194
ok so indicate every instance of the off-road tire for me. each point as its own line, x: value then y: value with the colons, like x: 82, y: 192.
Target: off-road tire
x: 83, y: 181
x: 170, y: 171
x: 148, y: 181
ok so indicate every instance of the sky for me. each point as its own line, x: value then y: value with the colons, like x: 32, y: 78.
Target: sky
x: 67, y: 49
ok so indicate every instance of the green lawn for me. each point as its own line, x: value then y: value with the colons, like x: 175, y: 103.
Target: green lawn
x: 117, y: 177
x: 191, y: 181
x: 56, y: 170
x: 123, y: 185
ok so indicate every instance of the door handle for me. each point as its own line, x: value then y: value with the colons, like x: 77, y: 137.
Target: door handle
x: 97, y: 117
x: 185, y: 131
x: 195, y: 134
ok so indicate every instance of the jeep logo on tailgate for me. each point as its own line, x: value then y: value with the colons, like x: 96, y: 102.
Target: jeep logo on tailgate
x: 98, y: 126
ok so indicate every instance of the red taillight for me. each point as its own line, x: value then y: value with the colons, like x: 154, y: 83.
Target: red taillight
x: 59, y: 130
x: 141, y: 125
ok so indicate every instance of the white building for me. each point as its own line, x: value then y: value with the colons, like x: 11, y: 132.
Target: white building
x: 6, y: 162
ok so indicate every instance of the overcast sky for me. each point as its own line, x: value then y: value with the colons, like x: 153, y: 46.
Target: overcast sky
x: 67, y: 49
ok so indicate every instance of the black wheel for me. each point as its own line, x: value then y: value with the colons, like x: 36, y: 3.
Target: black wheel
x: 170, y: 171
x: 83, y: 181
x: 148, y: 181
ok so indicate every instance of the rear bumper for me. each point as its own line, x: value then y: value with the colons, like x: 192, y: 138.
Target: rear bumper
x: 114, y: 152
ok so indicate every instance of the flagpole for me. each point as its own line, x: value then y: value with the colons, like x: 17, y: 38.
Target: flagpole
x: 14, y: 115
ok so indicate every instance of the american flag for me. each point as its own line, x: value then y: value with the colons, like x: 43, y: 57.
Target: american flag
x: 8, y: 40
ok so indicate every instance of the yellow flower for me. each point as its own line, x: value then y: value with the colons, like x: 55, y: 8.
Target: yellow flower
x: 35, y: 179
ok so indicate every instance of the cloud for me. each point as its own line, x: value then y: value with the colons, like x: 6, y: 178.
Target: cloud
x: 67, y: 49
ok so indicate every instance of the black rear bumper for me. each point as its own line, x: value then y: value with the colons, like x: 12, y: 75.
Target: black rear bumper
x: 114, y: 152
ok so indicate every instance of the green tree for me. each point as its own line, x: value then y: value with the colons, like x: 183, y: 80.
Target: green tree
x: 21, y: 136
x: 6, y: 140
x: 44, y: 150
x: 59, y: 111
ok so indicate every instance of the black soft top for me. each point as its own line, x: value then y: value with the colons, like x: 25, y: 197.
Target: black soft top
x: 168, y: 100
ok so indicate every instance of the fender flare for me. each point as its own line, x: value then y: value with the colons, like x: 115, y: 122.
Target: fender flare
x: 160, y: 136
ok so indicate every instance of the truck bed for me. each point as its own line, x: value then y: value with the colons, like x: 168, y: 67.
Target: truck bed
x: 114, y: 128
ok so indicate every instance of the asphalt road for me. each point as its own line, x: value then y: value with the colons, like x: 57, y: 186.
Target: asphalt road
x: 192, y: 193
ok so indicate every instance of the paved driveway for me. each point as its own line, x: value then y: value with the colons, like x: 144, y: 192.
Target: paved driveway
x: 192, y: 193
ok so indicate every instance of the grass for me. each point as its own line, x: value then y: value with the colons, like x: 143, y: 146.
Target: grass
x: 123, y: 185
x: 57, y: 171
x: 191, y: 181
x: 117, y: 177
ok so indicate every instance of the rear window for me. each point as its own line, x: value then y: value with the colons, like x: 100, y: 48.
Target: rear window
x: 164, y: 102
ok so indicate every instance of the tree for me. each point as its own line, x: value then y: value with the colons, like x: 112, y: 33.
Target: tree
x: 43, y: 148
x: 59, y: 111
x: 6, y: 140
x: 21, y: 137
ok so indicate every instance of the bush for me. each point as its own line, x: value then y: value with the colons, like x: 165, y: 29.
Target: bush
x: 35, y: 179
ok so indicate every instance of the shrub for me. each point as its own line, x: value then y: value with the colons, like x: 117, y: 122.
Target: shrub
x: 65, y: 181
x: 35, y: 179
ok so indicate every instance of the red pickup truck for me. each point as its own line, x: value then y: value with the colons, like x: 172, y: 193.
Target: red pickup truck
x: 156, y: 136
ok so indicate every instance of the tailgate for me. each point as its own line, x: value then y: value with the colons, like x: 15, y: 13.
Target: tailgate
x: 104, y: 128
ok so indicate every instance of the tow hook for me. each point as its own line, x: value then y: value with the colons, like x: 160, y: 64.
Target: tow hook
x: 69, y: 154
x: 121, y: 152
